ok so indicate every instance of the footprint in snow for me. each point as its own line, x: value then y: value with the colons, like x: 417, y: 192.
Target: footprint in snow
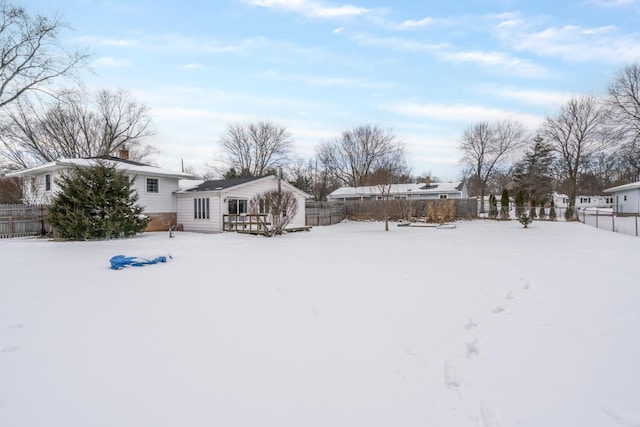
x: 498, y: 309
x: 451, y: 379
x: 471, y: 323
x: 472, y: 349
x: 10, y: 349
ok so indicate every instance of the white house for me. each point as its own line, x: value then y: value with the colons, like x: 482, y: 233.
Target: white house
x: 155, y: 187
x: 202, y: 208
x: 422, y: 191
x: 626, y: 198
x: 582, y: 201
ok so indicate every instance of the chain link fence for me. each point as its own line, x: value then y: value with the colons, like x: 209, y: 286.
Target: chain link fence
x: 605, y: 219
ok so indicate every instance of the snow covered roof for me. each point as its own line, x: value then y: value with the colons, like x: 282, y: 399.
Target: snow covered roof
x: 223, y: 184
x: 399, y: 189
x: 625, y: 187
x: 120, y: 164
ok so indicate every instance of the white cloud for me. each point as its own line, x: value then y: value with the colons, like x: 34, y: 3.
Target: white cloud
x: 193, y: 66
x: 311, y: 8
x: 571, y: 42
x: 338, y: 30
x: 411, y: 24
x: 110, y: 62
x: 461, y: 113
x: 494, y: 61
x: 535, y: 97
x: 497, y: 61
x: 311, y: 80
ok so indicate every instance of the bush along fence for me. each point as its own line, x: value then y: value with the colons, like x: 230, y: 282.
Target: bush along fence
x: 605, y: 219
x: 406, y: 210
x: 23, y: 220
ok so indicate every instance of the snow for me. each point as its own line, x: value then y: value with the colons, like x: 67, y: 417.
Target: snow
x: 488, y: 324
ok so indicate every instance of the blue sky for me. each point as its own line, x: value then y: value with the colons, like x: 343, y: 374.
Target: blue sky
x: 425, y: 69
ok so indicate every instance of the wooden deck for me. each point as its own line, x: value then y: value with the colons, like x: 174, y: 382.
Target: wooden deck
x: 256, y: 224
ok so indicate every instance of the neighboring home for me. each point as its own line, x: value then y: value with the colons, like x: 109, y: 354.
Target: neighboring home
x: 204, y: 207
x: 562, y: 201
x: 155, y: 187
x: 626, y: 198
x: 422, y: 191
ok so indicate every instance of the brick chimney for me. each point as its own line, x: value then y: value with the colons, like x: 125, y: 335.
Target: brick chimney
x: 123, y: 154
x: 427, y: 181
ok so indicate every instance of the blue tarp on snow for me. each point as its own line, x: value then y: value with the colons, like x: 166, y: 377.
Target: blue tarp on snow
x: 119, y: 262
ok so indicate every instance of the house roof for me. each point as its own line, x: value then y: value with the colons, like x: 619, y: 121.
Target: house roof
x: 625, y: 187
x: 223, y: 184
x: 120, y: 164
x: 422, y: 188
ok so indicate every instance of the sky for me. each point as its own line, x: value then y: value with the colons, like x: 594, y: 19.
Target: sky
x: 424, y: 70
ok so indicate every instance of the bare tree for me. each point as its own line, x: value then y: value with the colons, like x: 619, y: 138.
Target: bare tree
x: 31, y: 55
x: 278, y: 207
x: 389, y: 170
x: 578, y: 132
x: 485, y: 146
x: 254, y: 149
x: 76, y: 124
x: 354, y: 156
x: 624, y: 99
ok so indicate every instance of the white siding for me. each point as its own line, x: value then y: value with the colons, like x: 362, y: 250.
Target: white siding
x: 161, y: 202
x: 629, y: 206
x: 219, y: 207
x: 186, y: 212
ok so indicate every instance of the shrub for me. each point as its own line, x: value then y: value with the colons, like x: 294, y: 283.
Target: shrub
x: 532, y: 210
x: 542, y: 213
x: 504, y: 204
x: 493, y: 207
x: 96, y: 203
x: 552, y: 211
x: 279, y: 208
x: 525, y: 219
x: 519, y: 203
x: 441, y: 211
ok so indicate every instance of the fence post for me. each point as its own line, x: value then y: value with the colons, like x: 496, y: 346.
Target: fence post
x: 637, y: 224
x: 10, y: 226
x: 597, y: 210
x: 613, y: 223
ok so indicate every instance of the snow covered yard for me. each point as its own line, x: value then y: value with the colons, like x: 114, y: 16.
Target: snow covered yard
x: 488, y: 324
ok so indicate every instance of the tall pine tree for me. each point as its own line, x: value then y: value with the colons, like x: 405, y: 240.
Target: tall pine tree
x: 533, y: 174
x: 96, y: 203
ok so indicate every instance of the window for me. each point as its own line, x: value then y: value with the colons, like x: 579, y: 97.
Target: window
x: 201, y: 208
x: 152, y: 185
x: 237, y: 206
x: 443, y: 196
x: 263, y: 208
x: 625, y: 197
x: 47, y: 182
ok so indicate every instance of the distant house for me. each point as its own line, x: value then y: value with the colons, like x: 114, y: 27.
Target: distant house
x: 626, y: 198
x: 155, y: 186
x: 204, y: 206
x: 424, y: 191
x: 582, y: 201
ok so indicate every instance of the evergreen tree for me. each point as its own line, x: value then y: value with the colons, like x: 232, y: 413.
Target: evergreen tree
x: 542, y: 213
x: 504, y: 204
x: 533, y: 174
x: 552, y: 211
x: 519, y: 203
x: 493, y: 206
x: 96, y: 203
x: 532, y: 210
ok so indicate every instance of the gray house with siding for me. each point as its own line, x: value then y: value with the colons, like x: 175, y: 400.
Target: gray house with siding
x: 626, y: 198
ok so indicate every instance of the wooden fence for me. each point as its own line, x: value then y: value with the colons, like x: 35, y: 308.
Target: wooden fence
x: 327, y: 213
x: 23, y: 220
x: 324, y: 213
